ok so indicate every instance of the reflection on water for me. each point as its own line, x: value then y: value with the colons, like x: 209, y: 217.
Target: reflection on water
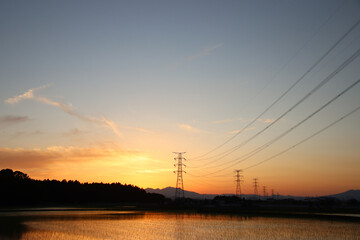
x: 91, y: 225
x: 12, y: 228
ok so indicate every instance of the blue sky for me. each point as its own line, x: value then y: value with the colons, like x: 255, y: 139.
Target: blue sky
x: 153, y: 77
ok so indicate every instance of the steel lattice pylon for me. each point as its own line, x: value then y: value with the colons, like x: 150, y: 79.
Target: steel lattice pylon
x: 256, y: 184
x: 238, y: 182
x: 179, y: 191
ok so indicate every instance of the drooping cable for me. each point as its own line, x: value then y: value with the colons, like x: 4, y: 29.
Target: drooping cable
x: 282, y: 95
x: 252, y: 153
x: 305, y: 139
x: 322, y: 83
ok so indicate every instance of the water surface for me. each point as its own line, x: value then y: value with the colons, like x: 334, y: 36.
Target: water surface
x: 91, y: 225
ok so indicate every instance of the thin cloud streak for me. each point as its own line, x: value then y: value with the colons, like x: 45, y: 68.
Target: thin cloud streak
x: 138, y: 129
x: 35, y: 158
x: 74, y: 132
x: 109, y: 123
x: 204, y: 52
x: 228, y: 120
x: 13, y: 119
x: 245, y: 130
x: 27, y: 95
x: 142, y: 130
x: 189, y: 128
x: 67, y: 108
x: 268, y: 120
x: 223, y: 121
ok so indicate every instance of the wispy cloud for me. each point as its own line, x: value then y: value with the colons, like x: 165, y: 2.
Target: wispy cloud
x: 237, y: 131
x: 189, y: 128
x: 139, y: 129
x: 142, y: 130
x: 37, y: 132
x: 67, y: 108
x: 98, y: 163
x: 268, y: 120
x: 229, y: 120
x: 27, y: 95
x: 109, y: 123
x: 13, y: 119
x: 74, y: 132
x: 35, y: 158
x: 204, y: 52
x: 223, y: 121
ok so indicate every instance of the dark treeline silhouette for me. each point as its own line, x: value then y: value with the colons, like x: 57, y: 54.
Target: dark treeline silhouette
x: 17, y: 188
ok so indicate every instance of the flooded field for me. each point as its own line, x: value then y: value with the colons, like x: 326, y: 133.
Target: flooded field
x: 91, y: 225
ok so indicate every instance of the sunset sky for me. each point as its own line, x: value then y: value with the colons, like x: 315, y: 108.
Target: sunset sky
x: 106, y: 91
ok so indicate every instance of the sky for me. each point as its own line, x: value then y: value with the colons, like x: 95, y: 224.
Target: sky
x: 106, y: 91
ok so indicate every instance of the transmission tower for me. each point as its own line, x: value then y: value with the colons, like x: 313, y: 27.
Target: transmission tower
x: 256, y: 184
x: 179, y: 191
x: 264, y: 191
x: 238, y: 182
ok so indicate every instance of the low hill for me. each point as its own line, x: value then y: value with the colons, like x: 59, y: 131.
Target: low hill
x: 348, y: 195
x: 169, y: 192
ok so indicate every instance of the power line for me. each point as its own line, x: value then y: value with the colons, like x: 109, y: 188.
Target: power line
x: 298, y: 124
x: 322, y: 83
x: 257, y: 150
x: 305, y: 139
x: 301, y: 48
x: 282, y: 95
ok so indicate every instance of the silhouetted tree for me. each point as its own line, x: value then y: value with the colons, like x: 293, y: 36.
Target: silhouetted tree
x: 17, y: 188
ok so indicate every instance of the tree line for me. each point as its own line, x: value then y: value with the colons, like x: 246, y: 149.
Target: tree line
x: 17, y: 188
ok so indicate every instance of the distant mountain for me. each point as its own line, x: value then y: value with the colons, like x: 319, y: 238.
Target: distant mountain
x: 351, y: 194
x: 169, y: 192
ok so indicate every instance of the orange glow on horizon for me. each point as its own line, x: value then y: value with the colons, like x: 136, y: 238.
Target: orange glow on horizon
x: 148, y: 171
